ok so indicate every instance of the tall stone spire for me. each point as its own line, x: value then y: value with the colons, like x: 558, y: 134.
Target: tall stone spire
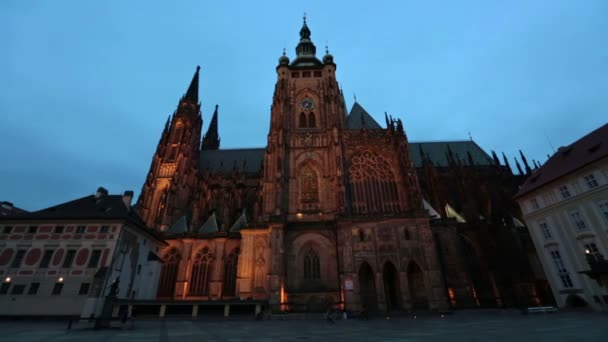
x: 192, y: 92
x: 211, y: 140
x: 305, y: 48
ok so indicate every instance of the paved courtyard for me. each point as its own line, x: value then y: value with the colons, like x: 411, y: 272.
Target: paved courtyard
x: 462, y: 326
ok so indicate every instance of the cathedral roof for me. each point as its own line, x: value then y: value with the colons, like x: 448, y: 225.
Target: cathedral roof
x: 360, y: 118
x: 210, y: 226
x: 180, y: 226
x: 248, y: 160
x: 240, y: 223
x: 437, y: 152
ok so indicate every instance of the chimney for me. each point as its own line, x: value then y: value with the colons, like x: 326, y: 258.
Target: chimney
x: 127, y: 197
x: 101, y: 192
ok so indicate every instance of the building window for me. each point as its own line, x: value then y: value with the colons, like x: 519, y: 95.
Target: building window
x: 57, y: 289
x: 312, y: 121
x: 564, y: 191
x: 168, y: 273
x: 104, y: 229
x: 534, y: 203
x: 303, y: 123
x: 172, y: 153
x: 591, y: 182
x: 578, y: 220
x: 46, y: 259
x: 230, y: 273
x: 295, y: 74
x: 32, y: 229
x: 84, y: 289
x: 18, y: 259
x: 373, y: 185
x: 306, y: 74
x: 18, y: 289
x: 591, y: 247
x: 544, y: 228
x: 58, y: 229
x: 7, y: 229
x: 201, y: 272
x: 69, y: 258
x: 4, y: 288
x: 317, y: 74
x: 94, y: 258
x: 138, y: 269
x: 561, y: 269
x: 312, y: 265
x: 80, y: 229
x: 309, y: 186
x: 604, y: 209
x: 33, y: 288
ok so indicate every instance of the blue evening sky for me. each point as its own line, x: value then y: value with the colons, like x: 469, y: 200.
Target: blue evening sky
x: 86, y: 86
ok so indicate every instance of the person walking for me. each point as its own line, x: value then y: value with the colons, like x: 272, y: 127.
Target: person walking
x: 328, y: 317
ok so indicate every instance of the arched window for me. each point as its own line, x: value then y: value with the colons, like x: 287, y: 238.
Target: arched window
x: 168, y: 273
x: 373, y: 185
x: 312, y: 265
x: 201, y: 273
x: 309, y: 186
x: 230, y: 269
x: 312, y: 121
x: 303, y: 123
x: 177, y: 134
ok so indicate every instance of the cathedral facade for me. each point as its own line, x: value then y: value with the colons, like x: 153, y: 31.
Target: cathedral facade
x: 336, y: 210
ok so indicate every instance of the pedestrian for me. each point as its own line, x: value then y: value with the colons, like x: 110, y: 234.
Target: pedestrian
x: 132, y: 317
x: 123, y: 317
x: 364, y: 314
x: 328, y: 317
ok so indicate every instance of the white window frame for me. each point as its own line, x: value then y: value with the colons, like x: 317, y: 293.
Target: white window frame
x: 562, y: 271
x: 591, y: 181
x: 544, y: 229
x: 578, y: 219
x: 534, y: 204
x: 591, y: 246
x: 565, y: 191
x: 603, y: 206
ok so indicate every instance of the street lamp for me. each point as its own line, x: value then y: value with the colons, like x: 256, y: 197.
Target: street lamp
x: 598, y: 268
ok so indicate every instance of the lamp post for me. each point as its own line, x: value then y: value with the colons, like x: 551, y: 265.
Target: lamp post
x: 598, y: 268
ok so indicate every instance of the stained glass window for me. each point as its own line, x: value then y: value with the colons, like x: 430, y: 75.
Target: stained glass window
x: 309, y: 185
x: 312, y: 265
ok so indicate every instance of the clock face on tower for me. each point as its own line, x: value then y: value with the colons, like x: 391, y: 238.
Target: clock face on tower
x: 307, y: 103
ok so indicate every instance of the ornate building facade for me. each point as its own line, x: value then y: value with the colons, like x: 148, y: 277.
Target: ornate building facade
x: 330, y: 212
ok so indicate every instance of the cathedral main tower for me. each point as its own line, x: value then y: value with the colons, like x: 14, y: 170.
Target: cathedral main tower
x: 303, y: 174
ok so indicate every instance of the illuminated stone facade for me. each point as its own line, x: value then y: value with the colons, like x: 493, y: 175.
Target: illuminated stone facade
x: 330, y: 212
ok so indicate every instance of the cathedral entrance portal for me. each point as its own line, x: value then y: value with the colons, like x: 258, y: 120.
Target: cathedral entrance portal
x: 391, y: 286
x: 418, y: 295
x: 367, y: 287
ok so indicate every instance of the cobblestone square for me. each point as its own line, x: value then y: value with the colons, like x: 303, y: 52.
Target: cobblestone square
x: 462, y: 326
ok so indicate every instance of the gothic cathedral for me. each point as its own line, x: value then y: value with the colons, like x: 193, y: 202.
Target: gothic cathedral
x: 330, y: 213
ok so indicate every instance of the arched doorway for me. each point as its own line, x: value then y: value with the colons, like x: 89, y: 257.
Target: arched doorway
x: 391, y: 286
x: 415, y: 279
x: 367, y: 287
x: 168, y: 273
x: 576, y: 302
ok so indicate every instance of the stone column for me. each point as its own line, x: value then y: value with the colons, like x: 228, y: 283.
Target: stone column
x: 245, y: 266
x: 183, y: 274
x: 215, y: 286
x: 276, y: 268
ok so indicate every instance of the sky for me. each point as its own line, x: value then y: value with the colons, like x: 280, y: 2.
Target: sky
x: 86, y: 87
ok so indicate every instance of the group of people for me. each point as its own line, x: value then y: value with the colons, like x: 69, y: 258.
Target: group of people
x: 331, y: 313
